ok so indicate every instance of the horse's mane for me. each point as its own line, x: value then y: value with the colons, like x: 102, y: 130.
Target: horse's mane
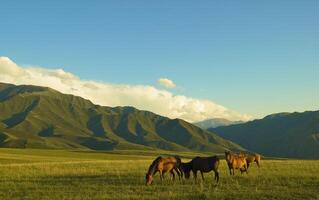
x: 152, y: 167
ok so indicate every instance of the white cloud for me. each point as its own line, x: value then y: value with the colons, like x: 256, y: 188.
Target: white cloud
x: 140, y: 96
x: 166, y: 83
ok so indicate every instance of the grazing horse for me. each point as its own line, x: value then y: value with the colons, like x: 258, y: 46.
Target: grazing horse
x: 235, y: 162
x: 162, y: 165
x: 250, y: 158
x: 202, y: 164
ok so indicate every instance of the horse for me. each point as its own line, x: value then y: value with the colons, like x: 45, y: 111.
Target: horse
x: 250, y: 158
x: 162, y: 165
x: 202, y: 164
x: 236, y: 162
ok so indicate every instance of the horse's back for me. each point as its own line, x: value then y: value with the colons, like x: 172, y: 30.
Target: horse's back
x: 209, y: 159
x: 168, y: 163
x: 170, y: 160
x: 252, y: 157
x: 237, y: 161
x: 205, y: 164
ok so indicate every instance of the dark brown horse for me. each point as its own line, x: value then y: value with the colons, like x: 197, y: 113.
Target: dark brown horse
x: 202, y: 164
x: 250, y: 158
x: 236, y: 162
x: 162, y: 165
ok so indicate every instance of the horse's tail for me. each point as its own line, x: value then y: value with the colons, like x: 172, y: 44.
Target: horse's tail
x: 179, y: 164
x: 216, y: 166
x: 217, y: 160
x: 178, y: 160
x: 246, y: 165
x: 258, y: 157
x: 217, y: 176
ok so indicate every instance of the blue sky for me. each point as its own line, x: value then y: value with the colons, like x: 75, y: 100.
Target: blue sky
x: 255, y: 57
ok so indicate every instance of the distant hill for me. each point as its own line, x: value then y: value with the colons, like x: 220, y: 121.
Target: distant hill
x: 39, y: 117
x: 294, y: 135
x: 216, y: 122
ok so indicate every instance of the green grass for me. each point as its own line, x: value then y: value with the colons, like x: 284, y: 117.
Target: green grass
x: 58, y: 174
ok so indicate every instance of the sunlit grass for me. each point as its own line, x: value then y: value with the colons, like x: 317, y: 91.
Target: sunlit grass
x: 47, y: 174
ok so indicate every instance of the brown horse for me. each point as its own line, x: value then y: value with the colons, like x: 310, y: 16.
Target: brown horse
x: 162, y: 165
x: 250, y: 158
x: 235, y: 162
x: 202, y: 164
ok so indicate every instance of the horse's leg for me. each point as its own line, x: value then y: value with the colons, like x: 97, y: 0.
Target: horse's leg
x: 173, y: 174
x: 178, y: 173
x: 258, y: 163
x: 161, y: 175
x: 202, y: 175
x: 164, y: 174
x: 181, y: 172
x: 248, y: 164
x: 195, y: 174
x: 246, y: 169
x: 216, y: 176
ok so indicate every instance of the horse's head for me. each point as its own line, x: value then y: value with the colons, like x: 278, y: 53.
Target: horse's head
x: 149, y: 179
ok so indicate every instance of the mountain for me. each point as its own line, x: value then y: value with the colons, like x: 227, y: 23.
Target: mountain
x: 39, y: 117
x: 294, y: 135
x: 216, y: 122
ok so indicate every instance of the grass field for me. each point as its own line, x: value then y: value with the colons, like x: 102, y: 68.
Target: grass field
x: 58, y: 174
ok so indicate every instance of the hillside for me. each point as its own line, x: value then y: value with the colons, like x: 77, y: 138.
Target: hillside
x: 293, y: 135
x: 38, y: 117
x: 216, y: 122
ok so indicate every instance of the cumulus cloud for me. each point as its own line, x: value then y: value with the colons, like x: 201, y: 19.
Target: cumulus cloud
x: 166, y: 83
x: 107, y: 94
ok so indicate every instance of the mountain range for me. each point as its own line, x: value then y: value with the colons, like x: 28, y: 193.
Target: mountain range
x: 40, y: 117
x: 293, y: 135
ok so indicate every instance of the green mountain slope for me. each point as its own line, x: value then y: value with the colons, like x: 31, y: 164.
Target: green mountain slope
x: 38, y: 117
x: 284, y: 134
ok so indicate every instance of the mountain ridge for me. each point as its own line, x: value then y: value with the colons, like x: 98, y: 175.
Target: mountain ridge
x: 40, y: 117
x: 294, y: 135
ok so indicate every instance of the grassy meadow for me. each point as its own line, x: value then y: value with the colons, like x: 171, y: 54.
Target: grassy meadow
x: 59, y: 174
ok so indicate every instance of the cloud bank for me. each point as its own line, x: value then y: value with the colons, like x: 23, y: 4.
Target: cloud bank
x: 166, y: 83
x: 107, y: 94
